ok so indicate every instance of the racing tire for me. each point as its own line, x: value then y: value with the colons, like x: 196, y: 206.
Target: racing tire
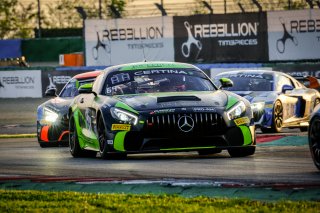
x: 103, y: 146
x: 74, y: 145
x: 314, y: 140
x: 241, y: 151
x: 277, y: 118
x: 209, y: 151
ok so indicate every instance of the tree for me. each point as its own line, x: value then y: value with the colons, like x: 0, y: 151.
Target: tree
x: 7, y: 18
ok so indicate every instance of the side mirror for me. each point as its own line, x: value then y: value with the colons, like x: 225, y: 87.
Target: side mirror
x: 226, y: 82
x: 85, y: 89
x: 286, y: 88
x: 51, y: 92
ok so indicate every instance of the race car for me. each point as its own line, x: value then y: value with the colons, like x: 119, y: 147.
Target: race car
x: 277, y: 99
x: 314, y: 136
x: 158, y: 107
x: 52, y: 119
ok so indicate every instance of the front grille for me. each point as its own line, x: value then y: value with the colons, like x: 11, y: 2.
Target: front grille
x: 204, y: 123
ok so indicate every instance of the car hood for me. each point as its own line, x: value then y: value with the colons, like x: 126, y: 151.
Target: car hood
x: 151, y: 101
x: 58, y: 104
x: 257, y: 96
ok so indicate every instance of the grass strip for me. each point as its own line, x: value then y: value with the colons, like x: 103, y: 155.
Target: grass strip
x: 41, y: 201
x: 18, y: 135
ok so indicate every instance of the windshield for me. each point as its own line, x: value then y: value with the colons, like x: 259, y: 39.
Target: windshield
x: 249, y: 82
x: 155, y: 81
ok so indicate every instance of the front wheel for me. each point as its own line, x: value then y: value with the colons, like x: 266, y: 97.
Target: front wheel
x: 103, y: 138
x: 242, y: 151
x: 314, y: 140
x: 277, y: 118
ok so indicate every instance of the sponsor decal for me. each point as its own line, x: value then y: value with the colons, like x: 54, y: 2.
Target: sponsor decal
x: 240, y: 121
x: 204, y: 109
x: 118, y: 78
x: 185, y: 123
x: 166, y: 71
x: 123, y: 127
x: 162, y: 111
x: 240, y: 75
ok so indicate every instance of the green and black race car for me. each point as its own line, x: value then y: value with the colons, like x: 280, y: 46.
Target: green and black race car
x: 158, y: 107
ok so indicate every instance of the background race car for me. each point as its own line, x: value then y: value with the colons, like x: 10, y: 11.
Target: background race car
x: 314, y: 136
x: 277, y: 99
x: 158, y: 107
x: 52, y: 115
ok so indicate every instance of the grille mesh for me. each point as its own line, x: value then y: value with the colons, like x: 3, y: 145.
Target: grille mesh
x: 209, y: 123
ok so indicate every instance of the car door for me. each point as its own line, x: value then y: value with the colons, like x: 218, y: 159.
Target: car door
x: 291, y: 100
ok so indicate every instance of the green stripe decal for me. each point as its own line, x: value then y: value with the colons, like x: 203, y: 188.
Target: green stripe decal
x: 153, y: 65
x: 119, y: 141
x: 126, y: 107
x: 231, y: 101
x: 247, y: 139
x: 188, y: 148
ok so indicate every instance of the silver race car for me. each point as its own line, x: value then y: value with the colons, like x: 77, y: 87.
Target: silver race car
x: 277, y: 99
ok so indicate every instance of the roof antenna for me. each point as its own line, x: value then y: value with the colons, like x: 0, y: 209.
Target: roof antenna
x: 144, y: 55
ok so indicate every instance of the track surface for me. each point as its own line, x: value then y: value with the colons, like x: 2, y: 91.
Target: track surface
x: 270, y: 164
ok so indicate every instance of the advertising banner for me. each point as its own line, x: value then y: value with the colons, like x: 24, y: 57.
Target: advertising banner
x: 117, y: 41
x: 294, y: 35
x: 221, y: 38
x: 20, y: 84
x: 57, y: 79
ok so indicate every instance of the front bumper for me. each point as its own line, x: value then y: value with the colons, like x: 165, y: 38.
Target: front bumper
x: 163, y: 135
x: 57, y: 133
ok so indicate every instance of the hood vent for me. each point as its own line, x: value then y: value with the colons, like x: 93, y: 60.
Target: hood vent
x: 177, y: 98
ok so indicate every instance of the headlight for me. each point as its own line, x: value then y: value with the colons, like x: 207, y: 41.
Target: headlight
x: 49, y: 115
x: 236, y: 111
x: 258, y: 106
x: 124, y: 116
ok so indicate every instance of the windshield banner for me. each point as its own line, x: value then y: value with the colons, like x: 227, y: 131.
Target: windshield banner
x: 294, y: 35
x: 220, y: 38
x: 118, y: 41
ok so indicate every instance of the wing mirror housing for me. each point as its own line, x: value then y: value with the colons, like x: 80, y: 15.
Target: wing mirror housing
x: 52, y: 92
x: 286, y: 88
x: 86, y: 89
x: 225, y: 82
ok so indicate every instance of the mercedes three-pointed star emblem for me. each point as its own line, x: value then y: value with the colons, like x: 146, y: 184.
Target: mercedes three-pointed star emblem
x: 185, y: 123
